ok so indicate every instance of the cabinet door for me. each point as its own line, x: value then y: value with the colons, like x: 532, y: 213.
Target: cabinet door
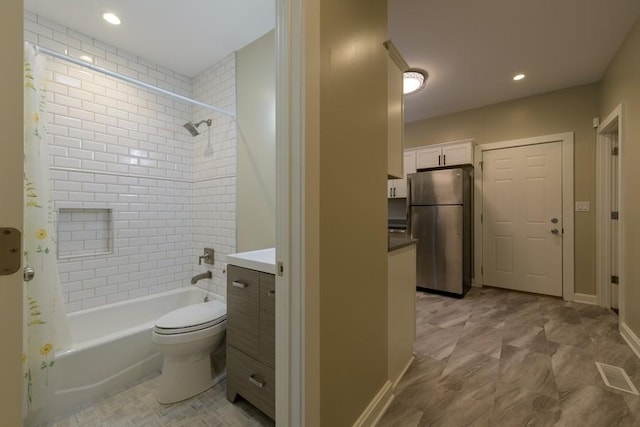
x: 395, y: 119
x: 267, y: 352
x: 243, y: 309
x: 457, y: 154
x: 428, y: 157
x: 409, y: 167
x: 391, y: 186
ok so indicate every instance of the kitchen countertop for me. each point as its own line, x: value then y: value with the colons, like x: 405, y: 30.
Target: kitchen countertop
x: 262, y: 260
x: 399, y: 241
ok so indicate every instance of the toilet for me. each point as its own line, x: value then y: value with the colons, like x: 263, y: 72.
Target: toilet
x: 191, y: 339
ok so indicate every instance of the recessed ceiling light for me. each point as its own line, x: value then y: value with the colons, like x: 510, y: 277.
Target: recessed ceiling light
x: 111, y: 18
x: 518, y: 77
x: 414, y: 80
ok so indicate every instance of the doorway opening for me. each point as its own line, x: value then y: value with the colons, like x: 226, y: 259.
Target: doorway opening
x: 608, y: 221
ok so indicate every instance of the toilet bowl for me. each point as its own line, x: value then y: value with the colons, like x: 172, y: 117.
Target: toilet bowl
x: 191, y: 339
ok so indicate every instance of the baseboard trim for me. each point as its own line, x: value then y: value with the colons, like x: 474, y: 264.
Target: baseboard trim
x: 376, y: 408
x: 404, y: 371
x: 585, y: 299
x: 632, y: 339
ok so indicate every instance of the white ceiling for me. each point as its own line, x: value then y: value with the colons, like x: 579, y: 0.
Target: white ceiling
x: 186, y: 36
x: 470, y: 48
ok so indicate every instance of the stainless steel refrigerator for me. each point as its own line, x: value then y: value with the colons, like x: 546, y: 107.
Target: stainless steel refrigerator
x: 440, y: 218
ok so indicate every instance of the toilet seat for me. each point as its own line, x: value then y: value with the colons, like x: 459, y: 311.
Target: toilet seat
x: 191, y: 318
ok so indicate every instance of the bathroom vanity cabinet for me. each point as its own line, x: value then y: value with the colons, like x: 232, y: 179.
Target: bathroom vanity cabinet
x: 251, y: 337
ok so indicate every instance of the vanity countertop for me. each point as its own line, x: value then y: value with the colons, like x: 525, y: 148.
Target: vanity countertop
x: 261, y: 260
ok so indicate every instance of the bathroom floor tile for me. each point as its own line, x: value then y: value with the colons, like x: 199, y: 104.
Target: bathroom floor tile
x: 137, y: 407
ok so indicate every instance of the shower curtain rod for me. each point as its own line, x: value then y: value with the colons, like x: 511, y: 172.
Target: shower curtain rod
x: 128, y: 79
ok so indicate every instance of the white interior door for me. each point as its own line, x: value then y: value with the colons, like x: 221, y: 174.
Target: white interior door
x: 522, y: 218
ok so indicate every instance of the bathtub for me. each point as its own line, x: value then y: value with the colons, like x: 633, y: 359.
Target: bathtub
x: 112, y: 347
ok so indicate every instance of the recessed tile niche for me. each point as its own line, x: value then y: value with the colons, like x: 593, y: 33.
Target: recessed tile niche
x: 84, y: 232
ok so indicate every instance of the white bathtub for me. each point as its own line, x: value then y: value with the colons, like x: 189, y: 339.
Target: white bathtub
x: 112, y: 347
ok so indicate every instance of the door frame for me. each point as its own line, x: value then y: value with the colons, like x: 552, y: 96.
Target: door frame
x: 11, y: 213
x: 566, y: 139
x: 613, y: 122
x: 292, y: 34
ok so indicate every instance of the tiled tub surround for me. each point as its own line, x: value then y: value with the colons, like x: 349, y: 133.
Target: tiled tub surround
x: 114, y: 146
x: 502, y: 358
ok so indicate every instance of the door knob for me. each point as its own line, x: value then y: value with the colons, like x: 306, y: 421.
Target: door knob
x: 28, y: 274
x: 554, y: 220
x: 554, y: 231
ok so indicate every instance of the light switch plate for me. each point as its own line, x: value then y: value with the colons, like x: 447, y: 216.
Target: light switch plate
x: 583, y: 206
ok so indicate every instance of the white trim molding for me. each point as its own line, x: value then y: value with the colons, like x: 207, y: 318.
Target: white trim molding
x: 585, y: 299
x: 377, y: 407
x: 404, y: 371
x: 568, y: 286
x: 631, y: 338
x: 290, y: 167
x: 609, y: 130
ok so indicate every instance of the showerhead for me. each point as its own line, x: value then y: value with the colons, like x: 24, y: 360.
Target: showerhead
x: 193, y: 127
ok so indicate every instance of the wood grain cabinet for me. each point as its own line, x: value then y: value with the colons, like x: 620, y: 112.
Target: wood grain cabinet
x: 251, y: 337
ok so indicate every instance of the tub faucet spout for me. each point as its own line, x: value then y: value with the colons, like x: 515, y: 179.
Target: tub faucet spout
x: 206, y: 275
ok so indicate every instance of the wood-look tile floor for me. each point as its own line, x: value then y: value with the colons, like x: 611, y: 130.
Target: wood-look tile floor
x: 502, y: 358
x: 137, y: 407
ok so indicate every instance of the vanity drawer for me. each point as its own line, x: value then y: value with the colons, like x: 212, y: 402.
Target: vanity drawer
x: 251, y: 380
x: 243, y: 305
x: 267, y: 350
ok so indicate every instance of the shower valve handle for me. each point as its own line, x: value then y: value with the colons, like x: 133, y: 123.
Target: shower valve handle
x: 207, y: 256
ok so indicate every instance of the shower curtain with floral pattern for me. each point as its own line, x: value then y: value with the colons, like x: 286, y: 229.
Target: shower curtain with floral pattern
x: 45, y: 327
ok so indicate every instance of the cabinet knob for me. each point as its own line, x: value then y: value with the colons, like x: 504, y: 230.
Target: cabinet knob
x: 239, y: 284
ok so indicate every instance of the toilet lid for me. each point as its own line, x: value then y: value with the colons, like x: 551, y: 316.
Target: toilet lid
x: 192, y: 318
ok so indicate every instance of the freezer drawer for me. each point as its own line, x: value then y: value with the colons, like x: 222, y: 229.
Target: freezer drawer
x: 440, y: 261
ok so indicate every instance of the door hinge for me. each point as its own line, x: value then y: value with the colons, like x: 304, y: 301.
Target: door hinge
x: 614, y: 151
x: 280, y: 269
x: 615, y: 215
x: 615, y: 280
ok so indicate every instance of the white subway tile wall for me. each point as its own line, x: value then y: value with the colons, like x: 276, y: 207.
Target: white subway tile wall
x: 115, y: 146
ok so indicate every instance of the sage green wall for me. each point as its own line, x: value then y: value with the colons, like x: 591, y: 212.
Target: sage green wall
x: 621, y: 85
x: 568, y: 110
x: 256, y: 177
x: 345, y: 211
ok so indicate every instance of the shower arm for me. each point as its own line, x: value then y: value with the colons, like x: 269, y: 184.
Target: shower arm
x: 207, y: 121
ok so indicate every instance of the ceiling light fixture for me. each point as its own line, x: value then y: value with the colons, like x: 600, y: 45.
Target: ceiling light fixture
x: 111, y: 18
x: 414, y: 80
x: 518, y: 77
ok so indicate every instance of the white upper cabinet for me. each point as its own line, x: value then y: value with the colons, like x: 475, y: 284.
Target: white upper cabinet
x: 398, y: 187
x: 448, y: 154
x: 395, y: 111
